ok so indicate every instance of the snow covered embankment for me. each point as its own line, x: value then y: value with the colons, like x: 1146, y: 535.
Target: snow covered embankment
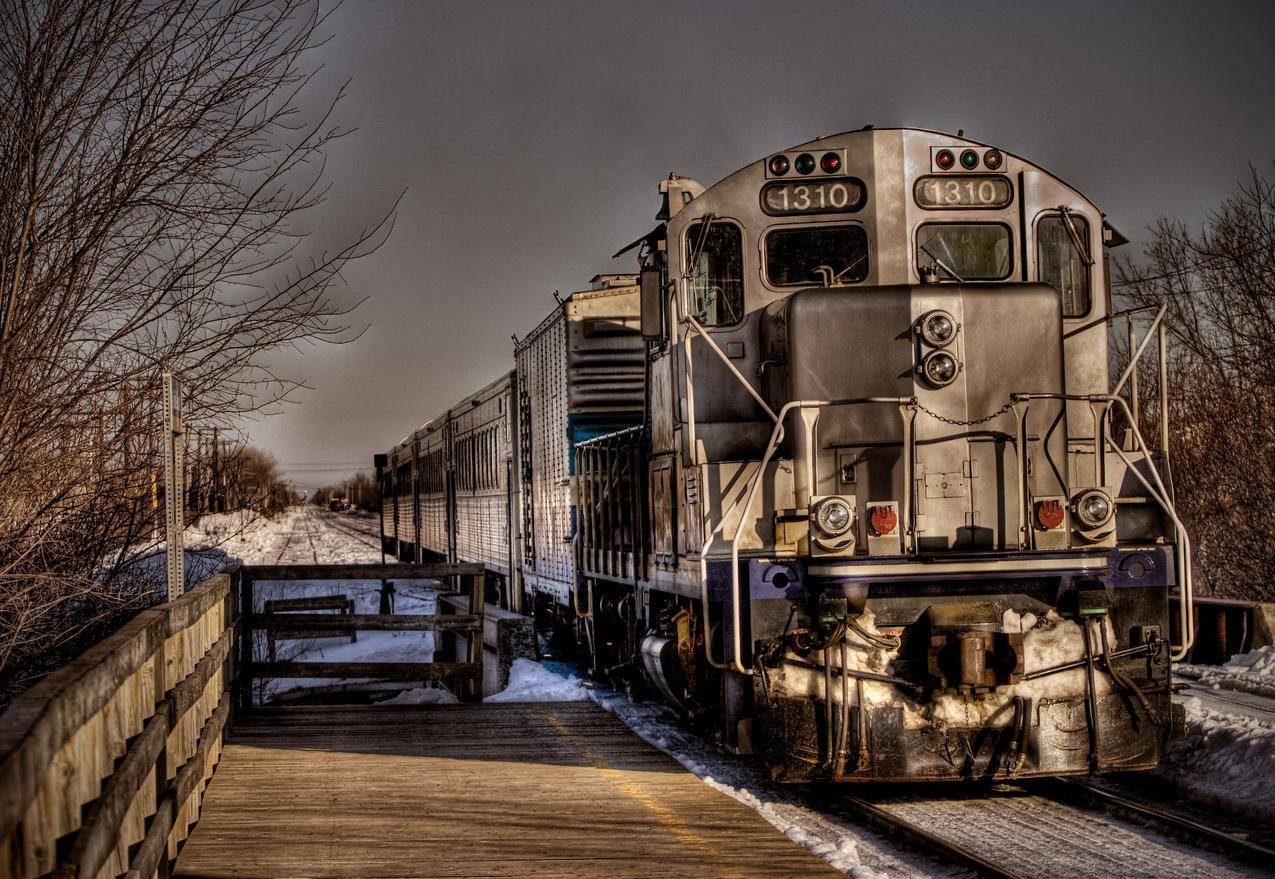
x: 1227, y: 759
x: 1247, y: 672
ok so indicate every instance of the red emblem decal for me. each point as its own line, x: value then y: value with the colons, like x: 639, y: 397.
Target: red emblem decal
x: 1049, y: 514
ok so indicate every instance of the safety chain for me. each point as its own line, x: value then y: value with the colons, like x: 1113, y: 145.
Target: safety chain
x: 958, y: 422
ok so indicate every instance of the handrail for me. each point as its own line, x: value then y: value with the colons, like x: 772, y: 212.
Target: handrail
x: 1182, y: 543
x: 1108, y: 319
x: 1134, y: 356
x: 78, y: 749
x: 776, y: 437
x: 735, y: 371
x: 1102, y: 440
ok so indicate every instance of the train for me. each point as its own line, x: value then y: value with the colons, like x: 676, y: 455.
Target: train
x: 849, y: 470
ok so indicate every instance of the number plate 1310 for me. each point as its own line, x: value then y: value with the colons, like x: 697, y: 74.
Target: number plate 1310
x: 963, y: 191
x: 816, y: 197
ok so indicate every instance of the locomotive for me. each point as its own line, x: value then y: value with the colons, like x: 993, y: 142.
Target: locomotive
x: 846, y: 471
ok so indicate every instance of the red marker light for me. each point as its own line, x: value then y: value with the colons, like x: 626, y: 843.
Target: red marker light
x: 830, y: 163
x: 945, y: 159
x: 883, y: 520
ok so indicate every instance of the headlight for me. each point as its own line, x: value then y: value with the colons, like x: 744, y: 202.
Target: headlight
x: 939, y: 368
x: 938, y: 328
x: 833, y: 516
x: 1093, y: 508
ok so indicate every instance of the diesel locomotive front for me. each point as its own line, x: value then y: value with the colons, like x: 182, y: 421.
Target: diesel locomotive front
x: 847, y: 472
x: 904, y: 522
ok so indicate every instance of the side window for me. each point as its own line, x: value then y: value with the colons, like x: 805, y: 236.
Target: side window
x: 715, y: 257
x: 1060, y: 264
x: 968, y: 251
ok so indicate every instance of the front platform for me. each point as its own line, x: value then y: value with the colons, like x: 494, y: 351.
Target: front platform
x: 474, y: 790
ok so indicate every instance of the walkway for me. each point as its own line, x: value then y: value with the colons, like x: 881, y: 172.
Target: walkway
x: 545, y: 789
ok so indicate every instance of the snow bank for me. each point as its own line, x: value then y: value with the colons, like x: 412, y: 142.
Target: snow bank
x: 529, y: 681
x: 422, y: 696
x: 1225, y: 760
x: 1249, y: 672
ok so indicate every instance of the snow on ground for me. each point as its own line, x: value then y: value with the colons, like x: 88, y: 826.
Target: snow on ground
x: 529, y: 681
x: 1252, y: 672
x: 310, y: 535
x: 1227, y: 758
x: 423, y: 696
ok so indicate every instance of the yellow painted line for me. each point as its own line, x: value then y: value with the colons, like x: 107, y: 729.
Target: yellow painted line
x: 666, y: 816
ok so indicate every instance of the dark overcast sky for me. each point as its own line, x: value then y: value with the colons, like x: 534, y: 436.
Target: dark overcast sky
x: 530, y: 138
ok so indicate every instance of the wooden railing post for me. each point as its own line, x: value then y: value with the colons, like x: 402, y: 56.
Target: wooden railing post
x: 247, y: 609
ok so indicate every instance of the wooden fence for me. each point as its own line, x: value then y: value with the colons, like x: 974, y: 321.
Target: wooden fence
x: 465, y: 677
x: 104, y: 763
x: 105, y: 760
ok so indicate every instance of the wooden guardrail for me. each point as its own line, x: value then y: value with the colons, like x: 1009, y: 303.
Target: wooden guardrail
x: 465, y: 677
x: 103, y: 763
x: 289, y: 607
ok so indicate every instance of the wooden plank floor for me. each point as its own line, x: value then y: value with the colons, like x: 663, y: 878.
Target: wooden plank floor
x: 554, y: 789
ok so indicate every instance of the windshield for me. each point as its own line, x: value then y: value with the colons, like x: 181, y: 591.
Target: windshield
x: 795, y: 256
x: 965, y: 251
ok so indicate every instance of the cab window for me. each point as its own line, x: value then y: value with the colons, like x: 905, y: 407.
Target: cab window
x: 715, y: 258
x: 965, y: 251
x: 818, y: 255
x: 1060, y: 264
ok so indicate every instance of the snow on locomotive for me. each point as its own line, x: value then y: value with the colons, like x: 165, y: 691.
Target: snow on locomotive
x: 844, y: 472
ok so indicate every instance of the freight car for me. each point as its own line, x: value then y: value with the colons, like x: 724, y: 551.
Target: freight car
x: 844, y: 471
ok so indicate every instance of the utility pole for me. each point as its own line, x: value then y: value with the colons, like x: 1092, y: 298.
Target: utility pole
x: 174, y: 489
x: 216, y: 504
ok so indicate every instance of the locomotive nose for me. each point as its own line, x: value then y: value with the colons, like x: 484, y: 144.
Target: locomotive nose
x: 960, y: 351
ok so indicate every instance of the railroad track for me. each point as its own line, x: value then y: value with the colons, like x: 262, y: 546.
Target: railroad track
x: 1233, y: 843
x: 290, y: 533
x: 361, y: 536
x: 1039, y: 828
x: 899, y: 829
x: 309, y: 534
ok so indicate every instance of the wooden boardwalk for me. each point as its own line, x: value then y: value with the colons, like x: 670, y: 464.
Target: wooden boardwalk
x: 477, y: 790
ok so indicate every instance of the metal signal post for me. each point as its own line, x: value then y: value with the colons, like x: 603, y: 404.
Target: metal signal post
x: 174, y: 485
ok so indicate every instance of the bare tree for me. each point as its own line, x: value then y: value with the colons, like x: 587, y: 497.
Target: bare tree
x: 155, y: 159
x: 1219, y: 286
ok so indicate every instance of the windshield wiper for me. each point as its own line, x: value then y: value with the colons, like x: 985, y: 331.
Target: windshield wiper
x: 1065, y: 213
x: 944, y: 266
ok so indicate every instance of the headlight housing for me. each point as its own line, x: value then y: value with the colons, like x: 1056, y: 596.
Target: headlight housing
x: 939, y: 369
x: 833, y: 516
x: 938, y: 328
x: 1094, y: 508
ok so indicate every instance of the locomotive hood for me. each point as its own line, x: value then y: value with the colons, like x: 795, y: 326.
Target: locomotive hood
x: 991, y: 341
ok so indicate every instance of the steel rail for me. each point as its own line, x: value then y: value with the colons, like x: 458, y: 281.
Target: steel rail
x: 1232, y: 843
x: 362, y: 536
x: 902, y: 830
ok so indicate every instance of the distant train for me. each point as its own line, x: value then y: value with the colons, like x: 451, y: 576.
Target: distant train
x: 844, y: 471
